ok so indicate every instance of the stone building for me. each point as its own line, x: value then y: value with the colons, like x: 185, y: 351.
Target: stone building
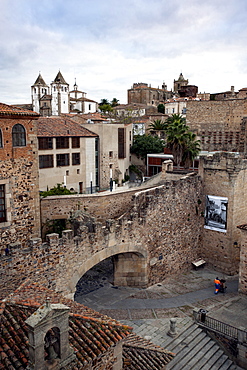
x: 142, y: 93
x: 67, y: 155
x: 114, y: 144
x: 220, y: 125
x: 57, y: 99
x: 19, y: 196
x: 179, y: 83
x: 225, y: 189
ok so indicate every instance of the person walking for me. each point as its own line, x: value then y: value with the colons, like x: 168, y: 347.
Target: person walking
x: 217, y: 285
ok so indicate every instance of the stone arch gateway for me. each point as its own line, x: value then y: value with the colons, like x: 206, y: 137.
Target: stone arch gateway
x: 130, y: 267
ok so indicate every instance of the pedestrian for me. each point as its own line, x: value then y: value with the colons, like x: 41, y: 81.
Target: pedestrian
x: 217, y: 285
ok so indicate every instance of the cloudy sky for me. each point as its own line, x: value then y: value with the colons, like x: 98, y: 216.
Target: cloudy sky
x: 107, y: 45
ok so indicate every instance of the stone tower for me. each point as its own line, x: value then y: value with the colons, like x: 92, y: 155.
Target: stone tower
x: 177, y: 84
x: 60, y: 95
x: 38, y: 90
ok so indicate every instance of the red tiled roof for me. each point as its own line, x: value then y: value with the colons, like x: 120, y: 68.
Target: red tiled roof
x: 61, y: 126
x: 140, y: 353
x: 11, y: 110
x: 91, y: 334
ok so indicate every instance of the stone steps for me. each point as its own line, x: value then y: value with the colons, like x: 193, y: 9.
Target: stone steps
x: 195, y: 350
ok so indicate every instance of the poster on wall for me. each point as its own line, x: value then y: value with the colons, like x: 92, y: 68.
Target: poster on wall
x: 216, y: 213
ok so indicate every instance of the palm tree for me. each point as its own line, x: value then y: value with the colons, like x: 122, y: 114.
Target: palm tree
x: 182, y: 142
x: 114, y: 102
x: 157, y: 125
x: 158, y: 128
x: 176, y: 136
x: 192, y: 149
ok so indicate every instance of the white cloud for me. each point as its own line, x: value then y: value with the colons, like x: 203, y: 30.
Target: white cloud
x: 107, y: 46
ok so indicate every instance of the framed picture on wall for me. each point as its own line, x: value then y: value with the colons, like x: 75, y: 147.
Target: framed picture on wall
x: 216, y: 213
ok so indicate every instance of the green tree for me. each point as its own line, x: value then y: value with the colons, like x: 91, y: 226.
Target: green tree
x: 56, y: 190
x: 145, y: 144
x: 114, y: 102
x: 158, y: 125
x: 104, y: 102
x: 180, y: 140
x: 161, y: 108
x: 192, y: 149
x: 105, y: 108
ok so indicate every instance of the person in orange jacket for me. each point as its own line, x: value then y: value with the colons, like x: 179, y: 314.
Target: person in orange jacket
x: 217, y: 285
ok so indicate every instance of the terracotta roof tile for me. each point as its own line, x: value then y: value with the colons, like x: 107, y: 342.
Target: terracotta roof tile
x: 11, y: 110
x: 142, y: 354
x: 91, y: 334
x: 61, y: 126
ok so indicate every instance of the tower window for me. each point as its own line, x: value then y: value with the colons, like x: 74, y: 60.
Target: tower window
x: 18, y: 135
x: 2, y: 204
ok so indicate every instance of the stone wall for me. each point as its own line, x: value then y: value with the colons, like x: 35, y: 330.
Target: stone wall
x: 101, y: 206
x: 242, y: 287
x: 19, y: 175
x: 162, y: 225
x: 220, y: 125
x: 224, y: 175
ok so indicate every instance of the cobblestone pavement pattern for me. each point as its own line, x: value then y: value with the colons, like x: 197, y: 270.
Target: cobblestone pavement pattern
x: 149, y: 310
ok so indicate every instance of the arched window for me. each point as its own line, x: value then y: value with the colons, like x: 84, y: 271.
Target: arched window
x: 1, y: 139
x: 18, y: 135
x: 52, y: 344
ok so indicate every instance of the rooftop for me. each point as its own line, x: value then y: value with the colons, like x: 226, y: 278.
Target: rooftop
x: 61, y: 126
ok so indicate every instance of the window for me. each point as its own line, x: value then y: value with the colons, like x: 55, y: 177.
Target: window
x: 18, y: 135
x: 62, y: 142
x: 75, y: 158
x: 62, y: 160
x: 46, y: 161
x: 2, y: 204
x: 110, y: 154
x: 75, y: 142
x: 45, y: 143
x: 121, y: 143
x: 89, y: 106
x: 173, y: 110
x: 1, y: 139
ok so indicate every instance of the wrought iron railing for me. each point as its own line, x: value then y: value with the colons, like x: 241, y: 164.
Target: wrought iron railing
x: 219, y: 327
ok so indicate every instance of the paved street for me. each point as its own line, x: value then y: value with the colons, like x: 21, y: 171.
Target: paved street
x: 149, y: 310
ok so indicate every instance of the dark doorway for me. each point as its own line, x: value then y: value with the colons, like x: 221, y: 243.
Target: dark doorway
x: 95, y: 278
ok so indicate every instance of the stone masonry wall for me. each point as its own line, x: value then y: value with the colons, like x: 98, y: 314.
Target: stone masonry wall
x: 101, y: 206
x: 243, y: 260
x: 224, y: 175
x: 220, y: 125
x: 19, y: 174
x: 163, y: 223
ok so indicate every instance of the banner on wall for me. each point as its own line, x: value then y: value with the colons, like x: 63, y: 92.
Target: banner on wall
x: 216, y: 213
